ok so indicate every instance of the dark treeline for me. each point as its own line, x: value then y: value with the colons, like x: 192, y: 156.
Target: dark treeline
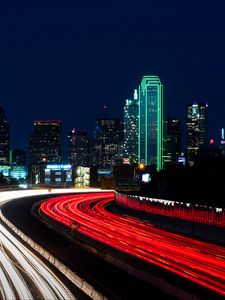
x: 203, y: 183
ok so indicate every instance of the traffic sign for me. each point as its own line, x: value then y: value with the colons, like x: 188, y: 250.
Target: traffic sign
x: 107, y: 183
x: 127, y: 184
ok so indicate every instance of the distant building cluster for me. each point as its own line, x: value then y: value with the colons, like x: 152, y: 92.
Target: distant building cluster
x: 145, y: 135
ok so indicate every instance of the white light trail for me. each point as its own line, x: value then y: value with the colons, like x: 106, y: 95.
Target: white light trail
x: 17, y: 263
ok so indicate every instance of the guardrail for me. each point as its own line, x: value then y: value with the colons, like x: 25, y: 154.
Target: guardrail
x: 185, y: 211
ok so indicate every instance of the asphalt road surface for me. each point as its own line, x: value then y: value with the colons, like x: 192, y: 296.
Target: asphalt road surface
x: 109, y: 280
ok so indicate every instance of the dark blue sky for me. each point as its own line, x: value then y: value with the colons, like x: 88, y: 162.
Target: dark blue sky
x: 66, y: 59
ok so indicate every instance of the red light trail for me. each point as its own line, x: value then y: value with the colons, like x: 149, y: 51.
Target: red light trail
x: 200, y: 262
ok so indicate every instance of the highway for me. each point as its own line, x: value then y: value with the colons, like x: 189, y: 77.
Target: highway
x: 108, y: 279
x: 196, y: 261
x: 22, y: 274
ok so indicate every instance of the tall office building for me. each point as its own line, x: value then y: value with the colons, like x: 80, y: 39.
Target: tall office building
x: 78, y: 154
x: 150, y: 127
x: 197, y: 127
x: 18, y: 157
x: 222, y: 142
x: 46, y: 142
x: 171, y: 140
x: 130, y: 144
x: 107, y: 139
x: 4, y: 137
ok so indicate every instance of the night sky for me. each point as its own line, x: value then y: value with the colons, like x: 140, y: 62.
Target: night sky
x: 67, y: 59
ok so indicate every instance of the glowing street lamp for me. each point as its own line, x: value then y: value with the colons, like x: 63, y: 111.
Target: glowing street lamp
x: 140, y: 166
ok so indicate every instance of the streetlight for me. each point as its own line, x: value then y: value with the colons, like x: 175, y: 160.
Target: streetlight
x: 140, y: 166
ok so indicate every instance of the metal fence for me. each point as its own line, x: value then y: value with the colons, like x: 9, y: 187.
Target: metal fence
x: 185, y: 211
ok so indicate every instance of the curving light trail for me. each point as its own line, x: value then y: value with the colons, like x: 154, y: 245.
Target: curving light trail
x: 22, y: 274
x: 198, y: 261
x: 18, y: 264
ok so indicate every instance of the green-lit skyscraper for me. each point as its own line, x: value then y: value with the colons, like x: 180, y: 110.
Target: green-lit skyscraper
x: 150, y: 127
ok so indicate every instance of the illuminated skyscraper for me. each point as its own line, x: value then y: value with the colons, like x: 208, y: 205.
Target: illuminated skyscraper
x: 150, y: 128
x: 46, y: 142
x: 171, y: 140
x: 78, y: 147
x: 197, y: 127
x: 131, y: 128
x: 4, y: 137
x: 107, y: 139
x: 222, y: 142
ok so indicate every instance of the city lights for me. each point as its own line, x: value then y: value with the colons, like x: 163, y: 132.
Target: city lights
x: 112, y: 128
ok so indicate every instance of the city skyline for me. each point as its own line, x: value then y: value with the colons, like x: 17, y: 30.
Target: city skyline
x: 106, y: 114
x: 64, y: 61
x: 112, y: 149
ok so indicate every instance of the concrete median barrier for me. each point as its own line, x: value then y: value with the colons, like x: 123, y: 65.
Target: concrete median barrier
x: 74, y: 278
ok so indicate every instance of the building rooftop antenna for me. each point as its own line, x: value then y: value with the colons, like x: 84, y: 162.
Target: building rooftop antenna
x: 104, y: 111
